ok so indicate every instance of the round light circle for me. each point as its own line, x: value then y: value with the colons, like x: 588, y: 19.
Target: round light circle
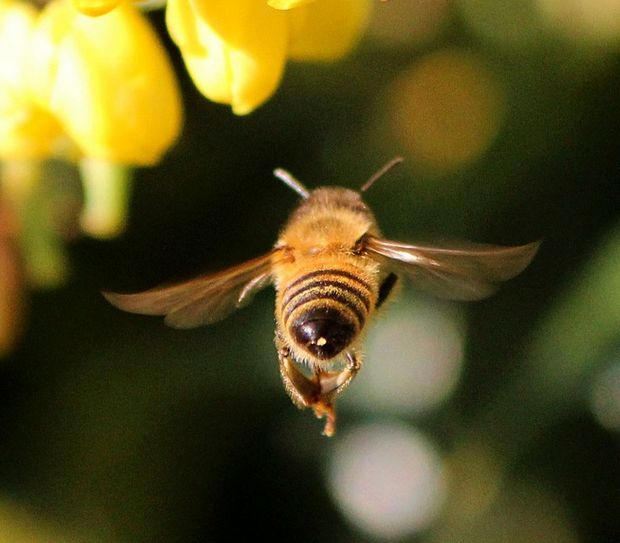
x: 387, y: 479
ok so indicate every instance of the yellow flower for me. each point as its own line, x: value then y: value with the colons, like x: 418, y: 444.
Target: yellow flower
x: 235, y: 50
x: 26, y: 130
x: 326, y: 29
x: 95, y: 7
x: 97, y: 89
x: 288, y: 4
x: 107, y: 80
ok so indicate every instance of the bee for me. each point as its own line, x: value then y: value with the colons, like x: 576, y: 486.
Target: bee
x: 332, y: 269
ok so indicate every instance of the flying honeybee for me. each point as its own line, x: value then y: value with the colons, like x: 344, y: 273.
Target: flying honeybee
x: 331, y: 269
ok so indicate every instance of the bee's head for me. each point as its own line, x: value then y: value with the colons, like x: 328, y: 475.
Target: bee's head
x: 300, y: 189
x: 336, y: 198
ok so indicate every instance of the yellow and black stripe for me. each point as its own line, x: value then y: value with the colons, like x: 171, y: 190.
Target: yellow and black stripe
x: 324, y: 310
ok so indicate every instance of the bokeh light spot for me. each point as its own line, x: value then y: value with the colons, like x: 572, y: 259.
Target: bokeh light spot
x: 446, y: 110
x: 19, y: 525
x: 414, y: 356
x: 591, y: 21
x: 414, y: 22
x: 524, y: 512
x: 387, y: 479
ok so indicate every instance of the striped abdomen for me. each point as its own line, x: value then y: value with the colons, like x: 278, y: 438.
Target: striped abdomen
x: 325, y: 310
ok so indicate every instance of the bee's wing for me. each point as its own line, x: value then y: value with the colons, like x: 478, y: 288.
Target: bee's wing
x: 202, y: 300
x: 468, y: 271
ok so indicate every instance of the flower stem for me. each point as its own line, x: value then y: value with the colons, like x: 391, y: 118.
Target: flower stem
x: 44, y: 256
x: 107, y: 188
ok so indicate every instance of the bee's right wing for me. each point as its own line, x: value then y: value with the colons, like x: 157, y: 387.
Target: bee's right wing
x: 466, y: 271
x: 205, y: 299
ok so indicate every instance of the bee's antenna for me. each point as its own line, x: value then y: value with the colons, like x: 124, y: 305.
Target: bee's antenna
x: 291, y: 182
x: 381, y: 172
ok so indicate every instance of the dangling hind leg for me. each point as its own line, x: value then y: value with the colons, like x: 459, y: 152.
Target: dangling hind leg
x: 331, y: 385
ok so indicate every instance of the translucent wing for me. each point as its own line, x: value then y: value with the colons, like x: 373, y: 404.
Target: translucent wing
x: 468, y: 271
x: 203, y: 300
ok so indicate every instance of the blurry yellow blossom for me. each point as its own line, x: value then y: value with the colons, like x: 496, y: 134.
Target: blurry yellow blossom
x: 235, y: 51
x: 287, y: 4
x: 26, y: 130
x: 119, y: 102
x: 95, y: 7
x: 326, y: 30
x: 107, y: 80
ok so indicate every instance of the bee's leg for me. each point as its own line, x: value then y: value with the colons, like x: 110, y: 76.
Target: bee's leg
x: 325, y: 408
x: 331, y: 386
x: 306, y: 392
x: 354, y: 364
x: 303, y: 392
x: 318, y: 392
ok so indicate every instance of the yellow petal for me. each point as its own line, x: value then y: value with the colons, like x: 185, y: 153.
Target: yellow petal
x: 26, y: 131
x: 326, y: 29
x: 287, y: 4
x: 234, y: 51
x: 108, y: 80
x: 95, y: 7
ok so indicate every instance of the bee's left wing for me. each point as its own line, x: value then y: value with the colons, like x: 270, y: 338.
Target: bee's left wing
x: 468, y: 271
x: 202, y: 300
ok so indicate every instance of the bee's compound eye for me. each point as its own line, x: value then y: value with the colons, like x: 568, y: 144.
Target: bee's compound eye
x: 323, y: 332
